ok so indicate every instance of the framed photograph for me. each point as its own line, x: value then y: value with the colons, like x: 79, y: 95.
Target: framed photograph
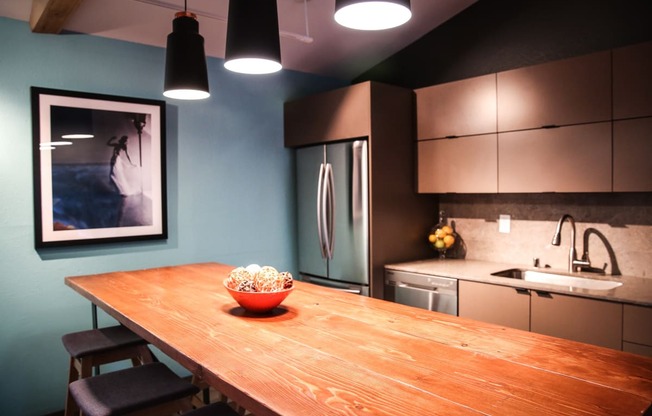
x: 99, y: 168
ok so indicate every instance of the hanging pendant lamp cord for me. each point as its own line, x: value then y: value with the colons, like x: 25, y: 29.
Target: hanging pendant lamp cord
x: 305, y: 14
x: 185, y: 5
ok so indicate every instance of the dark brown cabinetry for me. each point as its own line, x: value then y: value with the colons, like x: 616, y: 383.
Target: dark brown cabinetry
x: 334, y: 115
x: 582, y: 124
x: 461, y: 118
x: 632, y: 155
x: 632, y: 81
x: 500, y: 305
x: 591, y: 321
x: 560, y: 93
x: 580, y: 319
x: 632, y: 110
x: 637, y: 329
x: 459, y: 108
x: 565, y: 159
x: 465, y: 164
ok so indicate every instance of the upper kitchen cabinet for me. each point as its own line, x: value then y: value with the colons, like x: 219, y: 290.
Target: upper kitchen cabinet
x: 343, y: 113
x: 461, y: 165
x: 632, y: 81
x: 632, y: 152
x: 559, y: 93
x: 564, y: 159
x: 459, y: 108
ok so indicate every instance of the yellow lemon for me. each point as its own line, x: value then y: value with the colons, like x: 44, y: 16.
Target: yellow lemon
x: 440, y: 233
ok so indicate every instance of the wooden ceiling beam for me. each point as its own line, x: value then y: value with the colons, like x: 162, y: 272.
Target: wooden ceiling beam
x: 49, y: 16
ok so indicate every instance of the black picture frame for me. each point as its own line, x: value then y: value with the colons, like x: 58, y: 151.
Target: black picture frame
x: 107, y: 188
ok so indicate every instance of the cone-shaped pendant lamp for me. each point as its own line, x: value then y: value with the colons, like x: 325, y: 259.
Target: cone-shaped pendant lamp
x: 372, y: 14
x: 252, y: 37
x: 186, y: 77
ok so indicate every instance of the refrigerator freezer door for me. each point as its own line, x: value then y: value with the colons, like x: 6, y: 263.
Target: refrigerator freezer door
x: 309, y: 160
x: 350, y: 262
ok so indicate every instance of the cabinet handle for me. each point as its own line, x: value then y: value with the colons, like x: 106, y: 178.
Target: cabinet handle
x: 522, y: 291
x: 543, y: 294
x: 550, y: 126
x: 451, y: 137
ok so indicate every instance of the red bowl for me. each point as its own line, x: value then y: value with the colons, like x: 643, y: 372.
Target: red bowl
x: 258, y: 302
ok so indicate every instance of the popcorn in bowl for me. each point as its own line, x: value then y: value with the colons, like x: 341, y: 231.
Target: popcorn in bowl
x: 259, y: 289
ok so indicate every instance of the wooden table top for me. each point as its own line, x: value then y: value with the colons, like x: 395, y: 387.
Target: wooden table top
x: 324, y: 352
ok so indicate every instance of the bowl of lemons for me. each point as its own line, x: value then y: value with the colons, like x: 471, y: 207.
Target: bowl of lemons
x: 442, y: 238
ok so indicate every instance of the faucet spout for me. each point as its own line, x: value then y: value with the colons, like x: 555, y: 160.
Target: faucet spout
x: 573, y: 263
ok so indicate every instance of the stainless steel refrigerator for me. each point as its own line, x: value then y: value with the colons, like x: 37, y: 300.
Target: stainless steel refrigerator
x: 333, y: 215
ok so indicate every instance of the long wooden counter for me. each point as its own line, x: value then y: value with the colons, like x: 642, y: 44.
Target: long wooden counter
x: 324, y: 352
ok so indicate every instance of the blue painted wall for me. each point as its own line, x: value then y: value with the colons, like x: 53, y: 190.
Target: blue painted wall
x: 230, y: 191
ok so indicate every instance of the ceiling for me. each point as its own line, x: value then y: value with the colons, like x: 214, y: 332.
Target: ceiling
x: 314, y: 45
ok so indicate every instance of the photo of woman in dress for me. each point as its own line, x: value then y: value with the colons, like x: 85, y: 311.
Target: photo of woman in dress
x: 124, y: 174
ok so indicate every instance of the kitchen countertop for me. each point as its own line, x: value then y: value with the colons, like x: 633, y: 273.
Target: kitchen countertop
x: 634, y: 290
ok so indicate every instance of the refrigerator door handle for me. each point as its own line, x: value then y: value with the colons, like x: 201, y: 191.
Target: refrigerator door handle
x: 359, y: 177
x: 328, y: 211
x: 320, y: 214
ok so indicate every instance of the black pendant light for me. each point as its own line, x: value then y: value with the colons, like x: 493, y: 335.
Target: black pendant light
x: 372, y: 14
x: 252, y: 37
x: 186, y: 77
x: 71, y: 122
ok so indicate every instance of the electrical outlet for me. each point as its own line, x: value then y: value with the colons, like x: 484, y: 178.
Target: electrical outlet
x: 503, y: 224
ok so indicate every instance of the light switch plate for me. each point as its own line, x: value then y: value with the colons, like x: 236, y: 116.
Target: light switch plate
x: 503, y: 224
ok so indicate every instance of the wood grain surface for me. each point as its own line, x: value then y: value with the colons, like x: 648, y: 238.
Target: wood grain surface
x: 324, y: 352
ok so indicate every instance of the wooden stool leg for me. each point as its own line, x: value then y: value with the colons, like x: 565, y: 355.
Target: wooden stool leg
x: 145, y: 354
x: 71, y: 407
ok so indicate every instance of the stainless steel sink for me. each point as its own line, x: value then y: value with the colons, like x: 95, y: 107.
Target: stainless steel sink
x: 557, y: 279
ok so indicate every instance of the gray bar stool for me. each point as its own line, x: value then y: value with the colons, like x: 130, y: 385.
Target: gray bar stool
x: 149, y: 389
x: 95, y: 347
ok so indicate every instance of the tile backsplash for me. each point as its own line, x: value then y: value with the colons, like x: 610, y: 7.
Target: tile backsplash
x: 616, y: 227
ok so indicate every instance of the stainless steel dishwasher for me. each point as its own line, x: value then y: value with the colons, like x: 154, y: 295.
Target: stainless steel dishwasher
x: 425, y: 291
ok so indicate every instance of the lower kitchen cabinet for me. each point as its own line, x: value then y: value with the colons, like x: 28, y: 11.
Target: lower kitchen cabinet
x: 495, y: 304
x: 637, y: 330
x: 586, y: 320
x: 580, y: 319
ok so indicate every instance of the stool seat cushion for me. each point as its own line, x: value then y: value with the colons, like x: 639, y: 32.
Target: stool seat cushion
x: 94, y: 341
x: 129, y: 390
x: 214, y: 409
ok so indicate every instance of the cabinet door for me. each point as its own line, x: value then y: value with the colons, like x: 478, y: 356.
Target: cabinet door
x: 570, y: 91
x: 637, y: 329
x: 500, y: 305
x: 334, y: 115
x: 586, y: 320
x: 463, y: 165
x: 566, y: 159
x: 632, y: 153
x: 459, y: 108
x: 632, y: 83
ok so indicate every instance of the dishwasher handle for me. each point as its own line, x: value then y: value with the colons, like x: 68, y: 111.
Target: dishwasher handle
x: 430, y: 299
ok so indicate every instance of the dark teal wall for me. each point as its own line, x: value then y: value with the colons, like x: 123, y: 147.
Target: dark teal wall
x: 496, y: 35
x: 230, y: 191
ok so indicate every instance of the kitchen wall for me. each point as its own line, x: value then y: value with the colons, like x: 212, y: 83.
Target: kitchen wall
x: 230, y: 192
x: 497, y: 35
